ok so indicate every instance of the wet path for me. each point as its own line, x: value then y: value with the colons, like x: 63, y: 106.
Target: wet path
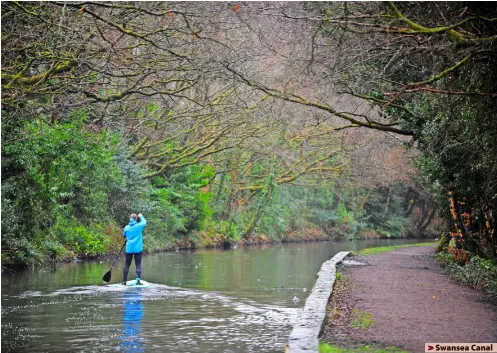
x: 412, y: 302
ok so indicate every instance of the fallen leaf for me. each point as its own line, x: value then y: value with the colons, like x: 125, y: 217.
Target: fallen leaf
x: 236, y: 7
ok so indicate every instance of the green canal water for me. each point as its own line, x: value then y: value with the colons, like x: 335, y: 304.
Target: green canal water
x: 238, y: 300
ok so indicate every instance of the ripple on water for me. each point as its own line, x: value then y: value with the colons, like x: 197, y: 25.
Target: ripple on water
x: 158, y: 290
x: 92, y: 319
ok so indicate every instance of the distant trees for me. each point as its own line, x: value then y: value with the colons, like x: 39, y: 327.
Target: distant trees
x: 429, y: 70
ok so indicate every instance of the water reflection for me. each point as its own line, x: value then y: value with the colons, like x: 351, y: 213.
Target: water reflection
x: 131, y: 339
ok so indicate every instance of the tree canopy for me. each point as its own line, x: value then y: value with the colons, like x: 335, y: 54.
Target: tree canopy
x: 216, y: 118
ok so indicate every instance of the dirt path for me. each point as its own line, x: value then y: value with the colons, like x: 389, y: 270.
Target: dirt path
x: 409, y: 301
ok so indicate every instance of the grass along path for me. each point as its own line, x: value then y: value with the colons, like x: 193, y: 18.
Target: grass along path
x: 328, y: 348
x: 382, y: 249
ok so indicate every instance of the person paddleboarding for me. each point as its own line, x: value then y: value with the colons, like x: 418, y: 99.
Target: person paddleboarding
x: 134, y: 245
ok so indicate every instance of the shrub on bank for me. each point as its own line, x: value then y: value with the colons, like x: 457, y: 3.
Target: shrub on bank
x: 479, y: 273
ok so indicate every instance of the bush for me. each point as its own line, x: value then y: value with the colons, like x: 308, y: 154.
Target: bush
x: 60, y: 171
x: 80, y: 239
x: 53, y: 249
x: 478, y: 272
x: 225, y: 228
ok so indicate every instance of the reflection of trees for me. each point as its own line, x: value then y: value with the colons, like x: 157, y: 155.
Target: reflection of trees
x: 132, y: 325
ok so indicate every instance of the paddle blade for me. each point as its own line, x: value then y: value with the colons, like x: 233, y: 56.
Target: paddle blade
x: 106, y: 277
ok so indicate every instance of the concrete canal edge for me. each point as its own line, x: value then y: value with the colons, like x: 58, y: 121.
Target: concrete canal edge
x: 304, y: 336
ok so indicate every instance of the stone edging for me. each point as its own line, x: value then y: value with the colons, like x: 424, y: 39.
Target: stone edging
x: 304, y: 336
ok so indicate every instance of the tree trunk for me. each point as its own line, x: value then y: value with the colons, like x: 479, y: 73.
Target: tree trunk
x: 455, y: 216
x: 428, y: 221
x: 388, y: 201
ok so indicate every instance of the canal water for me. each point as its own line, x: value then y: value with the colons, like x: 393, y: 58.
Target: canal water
x: 238, y: 300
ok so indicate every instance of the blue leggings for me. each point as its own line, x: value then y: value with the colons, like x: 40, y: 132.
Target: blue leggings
x: 138, y: 264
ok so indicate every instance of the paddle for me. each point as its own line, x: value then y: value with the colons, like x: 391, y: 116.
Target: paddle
x: 106, y: 277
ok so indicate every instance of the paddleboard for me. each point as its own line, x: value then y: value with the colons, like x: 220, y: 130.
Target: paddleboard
x: 132, y: 284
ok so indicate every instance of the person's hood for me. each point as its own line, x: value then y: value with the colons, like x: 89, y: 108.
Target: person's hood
x: 132, y: 222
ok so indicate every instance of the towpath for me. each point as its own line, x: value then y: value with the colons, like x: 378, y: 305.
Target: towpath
x: 401, y: 298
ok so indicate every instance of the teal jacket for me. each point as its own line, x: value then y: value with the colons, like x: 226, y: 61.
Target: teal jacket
x: 133, y: 234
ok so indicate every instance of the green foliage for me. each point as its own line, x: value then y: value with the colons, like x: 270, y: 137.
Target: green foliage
x: 460, y: 155
x: 168, y: 216
x: 227, y: 229
x: 330, y: 208
x: 343, y: 215
x: 63, y: 185
x: 395, y: 226
x: 458, y: 147
x: 87, y: 241
x: 174, y: 207
x: 60, y: 179
x: 189, y: 204
x: 479, y: 273
x: 59, y: 171
x: 443, y: 242
x: 131, y: 192
x: 391, y: 221
x: 327, y: 348
x: 22, y: 251
x: 274, y: 219
x: 53, y: 248
x: 362, y: 319
x: 309, y: 206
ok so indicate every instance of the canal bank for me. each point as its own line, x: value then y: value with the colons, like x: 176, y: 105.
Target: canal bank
x: 203, y: 241
x: 194, y: 241
x: 304, y: 336
x: 403, y: 299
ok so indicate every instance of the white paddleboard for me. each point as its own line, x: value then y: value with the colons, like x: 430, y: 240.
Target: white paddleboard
x: 132, y: 284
